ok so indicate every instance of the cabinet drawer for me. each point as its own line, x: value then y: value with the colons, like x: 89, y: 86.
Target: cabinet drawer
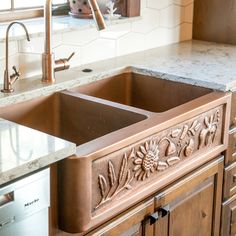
x: 229, y: 217
x: 230, y: 181
x: 231, y: 150
x: 233, y: 111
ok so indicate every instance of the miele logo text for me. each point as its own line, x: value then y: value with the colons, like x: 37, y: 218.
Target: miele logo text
x: 31, y: 203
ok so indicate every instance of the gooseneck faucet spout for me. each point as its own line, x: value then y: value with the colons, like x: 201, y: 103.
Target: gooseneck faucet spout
x: 10, y: 80
x: 97, y: 15
x: 49, y: 65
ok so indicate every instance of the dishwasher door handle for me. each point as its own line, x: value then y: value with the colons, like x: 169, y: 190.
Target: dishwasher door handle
x: 7, y: 221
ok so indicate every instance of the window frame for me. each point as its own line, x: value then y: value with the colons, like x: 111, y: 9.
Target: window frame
x: 22, y: 13
x: 6, y: 16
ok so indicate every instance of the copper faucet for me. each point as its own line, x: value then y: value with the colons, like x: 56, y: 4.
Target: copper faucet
x: 10, y: 80
x: 97, y: 15
x: 49, y: 65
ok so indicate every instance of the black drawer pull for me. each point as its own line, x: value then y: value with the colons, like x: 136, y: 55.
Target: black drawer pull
x: 161, y: 212
x: 154, y: 218
x: 234, y: 178
x: 164, y: 211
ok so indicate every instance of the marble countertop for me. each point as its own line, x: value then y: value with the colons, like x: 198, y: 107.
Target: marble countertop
x: 24, y: 150
x: 199, y: 63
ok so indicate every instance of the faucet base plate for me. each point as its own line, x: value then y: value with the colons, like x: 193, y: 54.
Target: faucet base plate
x: 48, y: 81
x: 7, y: 90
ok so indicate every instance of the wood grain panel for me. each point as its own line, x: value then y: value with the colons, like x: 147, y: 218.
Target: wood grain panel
x: 228, y: 227
x: 233, y: 111
x: 230, y: 155
x: 129, y: 223
x: 215, y: 20
x: 230, y: 181
x: 128, y: 8
x: 193, y: 202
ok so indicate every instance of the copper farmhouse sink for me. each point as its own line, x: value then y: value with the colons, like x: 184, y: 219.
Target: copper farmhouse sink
x: 135, y: 134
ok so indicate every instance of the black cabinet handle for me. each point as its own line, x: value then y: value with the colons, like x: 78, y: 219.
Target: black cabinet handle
x: 153, y: 218
x: 164, y: 211
x: 161, y: 212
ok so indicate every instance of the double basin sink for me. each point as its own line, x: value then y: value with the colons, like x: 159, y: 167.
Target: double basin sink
x: 130, y: 131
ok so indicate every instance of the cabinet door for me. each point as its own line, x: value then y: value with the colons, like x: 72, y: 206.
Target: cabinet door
x: 230, y: 156
x: 229, y: 217
x: 192, y: 206
x: 131, y: 223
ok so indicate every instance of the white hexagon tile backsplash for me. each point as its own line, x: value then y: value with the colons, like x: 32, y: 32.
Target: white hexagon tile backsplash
x: 162, y: 22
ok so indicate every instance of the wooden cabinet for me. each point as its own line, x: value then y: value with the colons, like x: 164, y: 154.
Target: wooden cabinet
x: 193, y: 204
x: 214, y: 20
x: 228, y: 219
x: 131, y: 223
x: 189, y: 207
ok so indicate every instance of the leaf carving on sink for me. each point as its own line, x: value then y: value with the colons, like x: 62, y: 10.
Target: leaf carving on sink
x: 116, y: 184
x: 207, y: 134
x: 189, y: 149
x: 160, y: 152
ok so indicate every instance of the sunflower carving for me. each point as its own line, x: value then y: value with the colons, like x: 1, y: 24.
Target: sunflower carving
x: 147, y: 160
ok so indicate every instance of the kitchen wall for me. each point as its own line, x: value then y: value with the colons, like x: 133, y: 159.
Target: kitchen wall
x: 162, y: 22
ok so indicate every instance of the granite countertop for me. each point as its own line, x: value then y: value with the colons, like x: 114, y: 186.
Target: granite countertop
x: 200, y: 63
x: 24, y: 150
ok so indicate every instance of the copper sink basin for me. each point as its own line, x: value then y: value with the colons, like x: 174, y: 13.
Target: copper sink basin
x: 71, y: 117
x: 134, y: 135
x: 114, y: 172
x: 141, y: 91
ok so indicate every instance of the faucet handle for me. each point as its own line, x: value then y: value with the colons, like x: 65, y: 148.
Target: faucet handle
x: 71, y: 55
x: 63, y: 64
x: 17, y: 72
x: 15, y: 76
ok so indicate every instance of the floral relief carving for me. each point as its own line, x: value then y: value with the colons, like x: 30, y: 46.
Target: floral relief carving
x: 207, y: 134
x: 147, y: 160
x: 188, y: 150
x: 150, y: 155
x: 158, y: 154
x: 116, y: 184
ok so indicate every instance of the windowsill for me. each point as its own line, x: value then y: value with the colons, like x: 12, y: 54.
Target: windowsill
x: 60, y: 24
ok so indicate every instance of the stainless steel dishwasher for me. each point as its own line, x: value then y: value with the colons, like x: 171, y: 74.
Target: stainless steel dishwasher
x: 24, y: 206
